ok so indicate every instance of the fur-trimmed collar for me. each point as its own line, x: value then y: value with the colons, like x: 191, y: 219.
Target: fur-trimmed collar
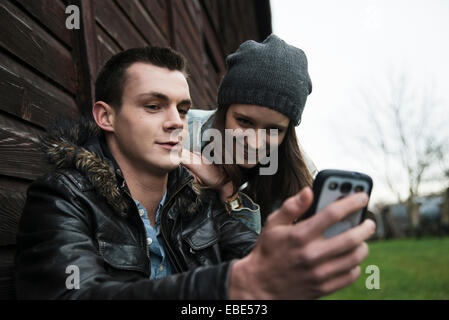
x: 64, y: 146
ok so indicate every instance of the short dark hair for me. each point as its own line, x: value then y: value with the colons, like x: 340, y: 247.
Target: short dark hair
x: 112, y: 76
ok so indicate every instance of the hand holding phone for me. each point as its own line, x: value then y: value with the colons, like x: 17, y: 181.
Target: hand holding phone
x: 332, y: 185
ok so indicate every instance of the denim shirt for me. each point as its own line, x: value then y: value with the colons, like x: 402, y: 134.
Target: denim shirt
x: 160, y: 264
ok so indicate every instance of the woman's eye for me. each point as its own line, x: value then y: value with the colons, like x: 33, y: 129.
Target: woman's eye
x: 243, y: 121
x: 274, y: 132
x: 182, y: 111
x: 279, y: 131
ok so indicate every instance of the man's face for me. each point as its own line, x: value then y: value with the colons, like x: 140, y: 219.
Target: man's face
x: 152, y: 118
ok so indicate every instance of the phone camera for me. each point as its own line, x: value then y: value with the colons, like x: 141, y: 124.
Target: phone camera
x: 333, y: 185
x: 346, y: 187
x: 359, y: 188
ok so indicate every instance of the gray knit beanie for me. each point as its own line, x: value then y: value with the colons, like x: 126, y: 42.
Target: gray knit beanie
x: 272, y: 74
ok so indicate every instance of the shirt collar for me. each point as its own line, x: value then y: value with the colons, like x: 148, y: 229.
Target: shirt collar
x: 161, y: 204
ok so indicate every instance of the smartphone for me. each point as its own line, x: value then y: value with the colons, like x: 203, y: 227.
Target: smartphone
x: 331, y: 185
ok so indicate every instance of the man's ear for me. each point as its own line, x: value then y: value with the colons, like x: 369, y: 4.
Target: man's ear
x: 104, y: 116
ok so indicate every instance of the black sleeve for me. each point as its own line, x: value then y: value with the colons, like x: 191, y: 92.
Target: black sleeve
x: 236, y: 239
x: 56, y: 231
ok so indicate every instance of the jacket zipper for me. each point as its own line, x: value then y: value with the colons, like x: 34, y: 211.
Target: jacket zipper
x: 142, y: 227
x: 140, y: 223
x: 164, y: 235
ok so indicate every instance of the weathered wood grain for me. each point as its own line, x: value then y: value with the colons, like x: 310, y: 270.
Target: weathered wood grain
x: 143, y: 22
x: 10, y: 212
x: 84, y: 57
x: 30, y: 97
x: 158, y: 10
x: 29, y: 42
x: 115, y: 23
x: 213, y: 43
x: 51, y: 14
x: 20, y: 154
x: 106, y: 47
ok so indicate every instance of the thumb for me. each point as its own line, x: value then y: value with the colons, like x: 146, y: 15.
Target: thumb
x: 293, y: 208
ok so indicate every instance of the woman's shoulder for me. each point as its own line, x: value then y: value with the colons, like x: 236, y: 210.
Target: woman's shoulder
x: 198, y: 121
x: 198, y: 114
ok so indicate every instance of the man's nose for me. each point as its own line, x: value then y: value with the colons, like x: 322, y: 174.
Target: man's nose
x: 173, y: 120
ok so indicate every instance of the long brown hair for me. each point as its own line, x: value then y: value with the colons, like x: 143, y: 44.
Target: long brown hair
x: 268, y: 190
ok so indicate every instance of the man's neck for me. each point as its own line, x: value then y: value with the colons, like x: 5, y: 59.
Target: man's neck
x: 144, y: 185
x: 146, y: 188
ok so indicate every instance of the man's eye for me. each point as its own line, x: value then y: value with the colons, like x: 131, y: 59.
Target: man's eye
x: 152, y: 107
x: 182, y: 111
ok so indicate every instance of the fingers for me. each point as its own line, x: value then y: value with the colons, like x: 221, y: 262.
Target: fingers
x: 326, y: 249
x: 336, y: 211
x: 337, y: 283
x: 189, y: 159
x: 344, y: 263
x: 352, y: 238
x: 292, y: 208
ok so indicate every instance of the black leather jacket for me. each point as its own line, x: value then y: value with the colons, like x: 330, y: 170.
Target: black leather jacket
x: 82, y: 215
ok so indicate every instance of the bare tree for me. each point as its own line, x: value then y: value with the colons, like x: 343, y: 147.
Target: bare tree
x: 409, y: 133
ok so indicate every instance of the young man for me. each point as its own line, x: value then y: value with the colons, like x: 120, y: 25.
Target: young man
x: 118, y: 218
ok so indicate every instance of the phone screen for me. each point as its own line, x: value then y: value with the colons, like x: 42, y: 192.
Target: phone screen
x: 335, y: 188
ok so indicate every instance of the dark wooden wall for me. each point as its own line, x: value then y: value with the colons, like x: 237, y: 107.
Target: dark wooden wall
x: 48, y: 71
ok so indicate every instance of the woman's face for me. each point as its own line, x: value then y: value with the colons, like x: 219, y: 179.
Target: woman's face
x: 255, y: 117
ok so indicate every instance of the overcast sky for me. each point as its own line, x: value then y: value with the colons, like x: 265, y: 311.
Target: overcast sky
x: 357, y: 44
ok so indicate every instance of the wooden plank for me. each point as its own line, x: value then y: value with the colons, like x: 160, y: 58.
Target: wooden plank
x: 243, y: 27
x: 188, y: 33
x: 20, y: 154
x: 193, y: 9
x: 211, y: 10
x: 172, y: 22
x: 262, y: 20
x: 25, y: 39
x: 211, y: 40
x: 143, y: 22
x: 249, y: 10
x: 85, y: 57
x: 106, y: 47
x: 52, y: 14
x: 195, y: 71
x: 195, y: 68
x: 158, y: 10
x: 30, y: 97
x: 211, y: 84
x: 228, y: 35
x: 235, y: 25
x: 197, y: 97
x: 190, y: 42
x: 116, y: 25
x: 12, y: 198
x: 10, y: 212
x: 210, y: 70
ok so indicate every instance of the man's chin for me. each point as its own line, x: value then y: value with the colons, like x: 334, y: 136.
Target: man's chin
x: 162, y: 163
x: 170, y: 164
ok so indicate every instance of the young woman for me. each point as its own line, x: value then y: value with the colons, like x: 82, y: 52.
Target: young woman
x: 265, y: 87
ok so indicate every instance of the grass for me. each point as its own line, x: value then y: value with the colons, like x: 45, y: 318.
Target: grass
x: 409, y: 269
